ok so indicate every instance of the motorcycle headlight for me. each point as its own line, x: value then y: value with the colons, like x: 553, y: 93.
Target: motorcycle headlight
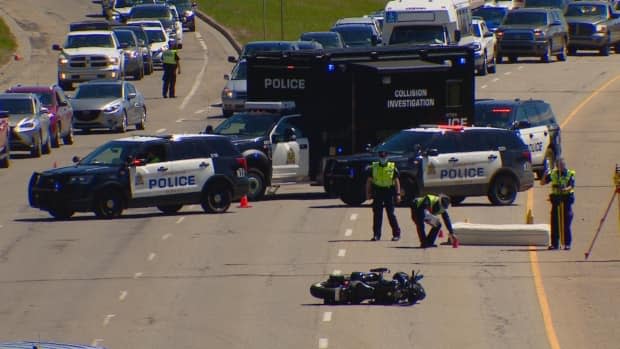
x: 113, y: 60
x: 112, y: 108
x: 83, y: 179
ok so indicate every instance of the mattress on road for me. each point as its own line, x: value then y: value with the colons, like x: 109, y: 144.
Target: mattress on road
x: 502, y: 234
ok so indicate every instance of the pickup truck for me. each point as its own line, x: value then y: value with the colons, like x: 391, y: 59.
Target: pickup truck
x: 592, y: 25
x: 485, y: 47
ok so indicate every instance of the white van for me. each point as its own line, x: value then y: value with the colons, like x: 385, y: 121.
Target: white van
x: 426, y: 22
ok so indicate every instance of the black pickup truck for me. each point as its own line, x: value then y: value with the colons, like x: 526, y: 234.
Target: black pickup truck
x: 592, y: 25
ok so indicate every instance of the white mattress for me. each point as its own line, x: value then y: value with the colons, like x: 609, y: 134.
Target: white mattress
x: 502, y: 234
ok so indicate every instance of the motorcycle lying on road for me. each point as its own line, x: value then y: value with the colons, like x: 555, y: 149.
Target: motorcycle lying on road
x: 371, y: 286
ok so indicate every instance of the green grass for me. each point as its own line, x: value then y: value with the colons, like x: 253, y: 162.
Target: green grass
x: 7, y: 43
x: 245, y: 17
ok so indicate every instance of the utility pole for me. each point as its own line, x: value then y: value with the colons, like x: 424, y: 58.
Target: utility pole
x: 281, y: 19
x: 264, y: 24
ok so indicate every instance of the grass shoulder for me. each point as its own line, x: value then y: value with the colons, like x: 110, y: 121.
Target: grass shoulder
x: 7, y: 43
x: 250, y: 20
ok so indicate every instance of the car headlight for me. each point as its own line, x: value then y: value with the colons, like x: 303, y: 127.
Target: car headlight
x: 476, y: 46
x: 112, y: 108
x: 63, y: 60
x: 601, y: 28
x: 539, y: 34
x: 26, y: 124
x: 228, y: 93
x: 83, y: 179
x: 113, y: 60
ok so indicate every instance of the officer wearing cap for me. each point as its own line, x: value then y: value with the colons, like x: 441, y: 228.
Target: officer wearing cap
x: 562, y: 198
x: 425, y: 209
x: 383, y: 187
x: 171, y: 67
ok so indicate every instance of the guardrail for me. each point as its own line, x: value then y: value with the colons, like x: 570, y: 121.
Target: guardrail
x: 212, y: 22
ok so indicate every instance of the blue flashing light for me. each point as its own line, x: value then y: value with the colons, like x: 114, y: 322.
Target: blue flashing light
x: 331, y: 68
x: 462, y: 60
x: 339, y: 150
x: 57, y: 186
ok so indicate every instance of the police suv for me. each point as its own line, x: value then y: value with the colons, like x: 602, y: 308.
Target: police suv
x: 144, y: 171
x: 534, y: 122
x: 455, y: 160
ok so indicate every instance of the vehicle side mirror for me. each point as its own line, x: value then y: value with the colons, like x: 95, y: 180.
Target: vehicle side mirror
x: 44, y: 110
x: 131, y: 95
x: 226, y: 77
x: 75, y: 159
x: 232, y: 59
x: 488, y: 34
x: 457, y: 35
x: 56, y: 47
x: 209, y: 129
x: 432, y: 152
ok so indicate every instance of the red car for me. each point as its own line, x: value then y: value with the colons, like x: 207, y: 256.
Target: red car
x: 5, y: 152
x: 61, y: 112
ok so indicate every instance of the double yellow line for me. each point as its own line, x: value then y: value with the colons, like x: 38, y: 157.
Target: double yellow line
x: 538, y: 283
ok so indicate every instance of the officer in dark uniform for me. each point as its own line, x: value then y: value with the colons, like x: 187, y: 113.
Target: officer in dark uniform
x: 383, y: 187
x: 172, y: 66
x: 562, y: 198
x: 425, y: 209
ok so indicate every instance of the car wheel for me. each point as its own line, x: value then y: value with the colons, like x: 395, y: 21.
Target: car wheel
x: 492, y: 68
x: 61, y: 213
x: 617, y: 48
x: 47, y: 146
x: 216, y: 198
x: 500, y: 59
x: 572, y: 51
x: 563, y: 53
x: 322, y: 291
x: 36, y: 150
x: 513, y: 59
x: 68, y: 138
x: 257, y: 185
x: 65, y: 85
x: 56, y: 137
x: 139, y: 73
x: 227, y: 113
x: 123, y: 126
x: 6, y: 161
x: 503, y: 190
x: 456, y: 200
x: 604, y: 51
x: 354, y: 196
x: 546, y: 58
x: 483, y: 69
x: 169, y: 209
x: 192, y: 28
x: 141, y: 125
x: 108, y: 204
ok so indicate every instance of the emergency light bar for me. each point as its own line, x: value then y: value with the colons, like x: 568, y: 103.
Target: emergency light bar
x: 270, y: 106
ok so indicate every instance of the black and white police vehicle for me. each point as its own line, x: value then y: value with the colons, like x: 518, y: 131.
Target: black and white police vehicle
x: 456, y: 160
x: 533, y: 120
x: 144, y: 171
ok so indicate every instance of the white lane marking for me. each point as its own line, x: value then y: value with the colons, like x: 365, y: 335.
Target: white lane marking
x: 161, y: 130
x: 327, y: 316
x: 180, y: 120
x: 348, y: 232
x: 323, y: 343
x: 122, y: 296
x: 198, y: 36
x: 495, y: 80
x: 483, y: 86
x: 166, y: 236
x: 199, y: 111
x: 520, y: 67
x: 137, y: 275
x: 202, y: 43
x: 353, y: 216
x: 342, y: 252
x: 96, y: 342
x: 197, y: 82
x: 337, y: 272
x: 107, y: 319
x: 180, y: 220
x: 151, y: 256
x: 507, y: 73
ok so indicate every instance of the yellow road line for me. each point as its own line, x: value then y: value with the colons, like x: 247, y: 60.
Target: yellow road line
x: 542, y: 300
x: 540, y: 289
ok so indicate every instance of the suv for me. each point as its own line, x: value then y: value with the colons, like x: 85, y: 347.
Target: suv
x: 539, y: 32
x: 144, y: 171
x: 186, y: 10
x: 29, y: 121
x: 485, y: 47
x: 458, y: 161
x: 534, y: 122
x: 61, y: 112
x: 143, y: 44
x: 89, y: 55
x: 235, y: 92
x: 134, y: 61
x: 593, y: 25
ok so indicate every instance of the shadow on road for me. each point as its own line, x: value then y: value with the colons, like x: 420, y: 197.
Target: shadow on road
x: 123, y: 217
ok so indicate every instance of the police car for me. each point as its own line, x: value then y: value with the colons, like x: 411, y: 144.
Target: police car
x: 533, y: 120
x: 144, y: 171
x: 455, y: 160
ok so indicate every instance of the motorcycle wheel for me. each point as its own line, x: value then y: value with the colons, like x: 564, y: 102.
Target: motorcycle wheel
x: 416, y: 293
x: 329, y: 295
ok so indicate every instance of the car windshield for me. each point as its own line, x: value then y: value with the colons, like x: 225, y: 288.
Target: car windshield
x: 17, y: 105
x: 124, y: 3
x: 113, y: 153
x: 422, y: 35
x: 240, y: 71
x: 529, y: 18
x: 252, y: 48
x: 90, y: 40
x: 493, y: 116
x: 328, y: 41
x: 242, y: 124
x: 355, y: 35
x: 492, y: 15
x: 140, y: 34
x: 99, y: 91
x: 155, y: 35
x: 45, y: 98
x: 579, y: 10
x: 125, y: 37
x: 544, y: 3
x: 160, y: 12
x: 405, y: 142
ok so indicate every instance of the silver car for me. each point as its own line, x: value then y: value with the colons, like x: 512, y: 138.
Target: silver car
x: 235, y: 91
x: 134, y: 63
x: 109, y: 104
x: 29, y: 122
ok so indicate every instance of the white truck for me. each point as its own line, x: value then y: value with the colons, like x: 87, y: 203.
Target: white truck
x: 89, y: 55
x: 428, y: 22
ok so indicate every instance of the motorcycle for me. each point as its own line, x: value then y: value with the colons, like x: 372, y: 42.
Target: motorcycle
x: 372, y: 286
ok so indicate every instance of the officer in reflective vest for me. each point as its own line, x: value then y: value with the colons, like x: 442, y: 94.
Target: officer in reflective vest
x: 562, y: 198
x: 383, y: 187
x: 425, y: 209
x: 170, y: 60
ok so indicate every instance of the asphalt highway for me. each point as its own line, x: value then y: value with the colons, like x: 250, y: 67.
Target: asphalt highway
x: 241, y: 279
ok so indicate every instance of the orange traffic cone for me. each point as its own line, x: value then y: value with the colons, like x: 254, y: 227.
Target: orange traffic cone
x: 17, y: 57
x: 440, y: 233
x: 244, y: 202
x: 55, y: 164
x: 455, y: 242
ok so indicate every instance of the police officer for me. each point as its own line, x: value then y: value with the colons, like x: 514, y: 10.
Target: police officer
x: 383, y: 187
x: 562, y: 198
x: 170, y: 59
x: 425, y: 210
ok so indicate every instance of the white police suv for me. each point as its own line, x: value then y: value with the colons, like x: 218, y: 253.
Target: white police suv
x: 143, y: 171
x: 458, y: 161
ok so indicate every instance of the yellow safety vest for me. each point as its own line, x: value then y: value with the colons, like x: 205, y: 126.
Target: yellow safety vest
x: 561, y: 181
x: 169, y: 57
x: 434, y: 202
x: 383, y: 176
